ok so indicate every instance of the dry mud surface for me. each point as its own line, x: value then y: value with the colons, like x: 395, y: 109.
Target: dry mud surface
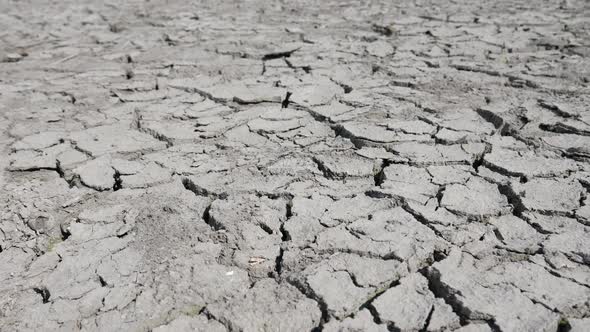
x: 295, y: 166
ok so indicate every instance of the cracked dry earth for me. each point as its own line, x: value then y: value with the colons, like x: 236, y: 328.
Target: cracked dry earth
x: 295, y: 166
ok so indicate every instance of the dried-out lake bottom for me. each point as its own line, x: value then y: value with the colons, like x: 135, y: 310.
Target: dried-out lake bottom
x: 295, y: 166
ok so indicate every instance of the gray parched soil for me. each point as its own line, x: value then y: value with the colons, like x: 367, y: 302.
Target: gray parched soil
x: 299, y: 165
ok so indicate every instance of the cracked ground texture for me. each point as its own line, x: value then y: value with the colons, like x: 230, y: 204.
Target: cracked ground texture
x: 295, y: 166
